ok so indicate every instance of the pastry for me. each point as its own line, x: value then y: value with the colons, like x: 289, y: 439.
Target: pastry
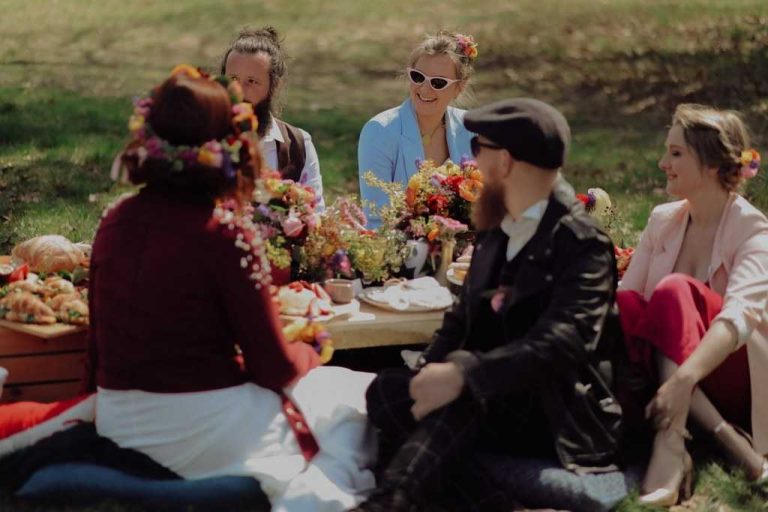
x: 55, y: 285
x: 26, y: 307
x: 72, y: 311
x: 25, y: 286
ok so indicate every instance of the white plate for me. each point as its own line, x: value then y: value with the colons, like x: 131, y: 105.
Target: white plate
x: 451, y: 277
x: 365, y: 297
x: 321, y: 318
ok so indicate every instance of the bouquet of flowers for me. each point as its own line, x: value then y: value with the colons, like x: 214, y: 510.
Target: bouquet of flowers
x: 435, y: 205
x: 285, y: 212
x: 598, y: 203
x: 342, y: 246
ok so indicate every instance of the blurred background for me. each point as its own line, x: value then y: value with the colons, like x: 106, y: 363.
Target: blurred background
x: 69, y: 68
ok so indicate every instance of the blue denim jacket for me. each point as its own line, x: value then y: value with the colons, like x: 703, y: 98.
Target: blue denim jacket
x: 390, y: 144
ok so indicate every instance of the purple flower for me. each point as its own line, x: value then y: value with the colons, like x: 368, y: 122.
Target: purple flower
x: 340, y: 263
x: 154, y: 148
x: 188, y: 156
x: 230, y: 172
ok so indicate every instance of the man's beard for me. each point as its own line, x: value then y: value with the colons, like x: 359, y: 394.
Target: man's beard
x: 489, y: 209
x: 263, y: 112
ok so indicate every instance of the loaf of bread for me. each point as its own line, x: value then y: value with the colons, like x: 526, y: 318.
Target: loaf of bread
x: 49, y: 253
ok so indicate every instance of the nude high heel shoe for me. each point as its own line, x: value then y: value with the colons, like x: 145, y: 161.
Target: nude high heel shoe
x: 729, y: 436
x: 680, y: 485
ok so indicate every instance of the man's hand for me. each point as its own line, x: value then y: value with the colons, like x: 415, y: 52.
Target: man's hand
x: 436, y: 385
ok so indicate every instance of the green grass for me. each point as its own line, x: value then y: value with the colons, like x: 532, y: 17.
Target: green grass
x: 617, y: 68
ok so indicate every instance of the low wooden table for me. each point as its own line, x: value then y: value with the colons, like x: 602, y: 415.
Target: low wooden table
x: 387, y: 328
x: 45, y: 362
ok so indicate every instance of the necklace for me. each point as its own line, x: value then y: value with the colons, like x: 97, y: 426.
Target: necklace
x: 426, y: 138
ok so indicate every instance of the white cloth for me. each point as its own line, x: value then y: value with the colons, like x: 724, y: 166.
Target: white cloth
x: 242, y: 430
x: 310, y: 174
x: 522, y: 230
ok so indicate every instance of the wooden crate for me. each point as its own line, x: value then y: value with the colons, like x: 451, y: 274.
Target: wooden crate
x: 42, y: 369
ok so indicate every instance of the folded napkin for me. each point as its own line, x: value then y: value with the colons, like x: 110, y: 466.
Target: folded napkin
x: 417, y: 294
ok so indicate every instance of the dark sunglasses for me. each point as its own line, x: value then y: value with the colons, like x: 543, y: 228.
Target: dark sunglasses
x: 438, y: 83
x: 475, y: 143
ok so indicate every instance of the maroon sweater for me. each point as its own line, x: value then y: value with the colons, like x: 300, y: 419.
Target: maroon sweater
x: 169, y: 301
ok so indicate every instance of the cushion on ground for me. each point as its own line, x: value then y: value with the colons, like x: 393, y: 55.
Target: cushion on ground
x: 539, y: 483
x: 23, y: 424
x: 83, y: 484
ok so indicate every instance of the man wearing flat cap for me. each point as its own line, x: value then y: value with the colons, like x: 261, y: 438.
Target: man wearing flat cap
x: 523, y: 363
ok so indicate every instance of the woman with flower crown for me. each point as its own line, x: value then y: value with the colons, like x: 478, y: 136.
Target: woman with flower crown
x: 693, y: 302
x: 186, y: 350
x: 424, y: 126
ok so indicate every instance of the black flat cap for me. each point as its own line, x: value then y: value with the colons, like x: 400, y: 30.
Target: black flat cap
x: 531, y: 130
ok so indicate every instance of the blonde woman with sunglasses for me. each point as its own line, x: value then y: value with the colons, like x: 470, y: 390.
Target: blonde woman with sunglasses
x: 424, y: 126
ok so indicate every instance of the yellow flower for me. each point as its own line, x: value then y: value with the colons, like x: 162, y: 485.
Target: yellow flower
x: 326, y: 353
x: 136, y: 122
x: 186, y: 69
x: 210, y: 154
x: 292, y: 331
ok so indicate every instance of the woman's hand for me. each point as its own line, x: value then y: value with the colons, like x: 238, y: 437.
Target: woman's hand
x: 672, y: 401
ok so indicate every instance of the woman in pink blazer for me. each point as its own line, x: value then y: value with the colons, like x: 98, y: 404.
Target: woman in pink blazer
x: 693, y: 302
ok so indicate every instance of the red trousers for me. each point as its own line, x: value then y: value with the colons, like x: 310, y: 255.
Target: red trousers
x: 673, y: 322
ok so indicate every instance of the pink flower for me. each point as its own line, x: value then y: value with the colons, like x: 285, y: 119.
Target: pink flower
x: 313, y: 221
x: 154, y: 148
x: 497, y: 300
x: 437, y: 179
x: 292, y: 226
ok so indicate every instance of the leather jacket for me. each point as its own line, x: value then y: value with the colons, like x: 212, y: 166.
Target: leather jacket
x: 560, y: 330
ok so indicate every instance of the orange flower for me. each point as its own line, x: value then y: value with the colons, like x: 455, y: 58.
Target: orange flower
x: 433, y: 234
x: 470, y: 189
x: 410, y: 197
x: 186, y: 69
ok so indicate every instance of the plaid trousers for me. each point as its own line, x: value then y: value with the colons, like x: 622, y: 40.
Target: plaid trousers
x: 431, y: 460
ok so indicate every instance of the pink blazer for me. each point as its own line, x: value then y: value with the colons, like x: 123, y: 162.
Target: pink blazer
x: 738, y: 271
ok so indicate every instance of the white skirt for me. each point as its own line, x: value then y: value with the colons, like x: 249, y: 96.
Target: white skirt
x: 242, y: 431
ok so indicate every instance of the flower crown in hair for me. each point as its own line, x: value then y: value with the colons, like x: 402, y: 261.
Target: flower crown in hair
x: 750, y: 163
x: 467, y: 46
x: 224, y: 154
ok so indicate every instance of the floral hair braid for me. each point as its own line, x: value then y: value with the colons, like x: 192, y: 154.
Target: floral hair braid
x: 225, y: 154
